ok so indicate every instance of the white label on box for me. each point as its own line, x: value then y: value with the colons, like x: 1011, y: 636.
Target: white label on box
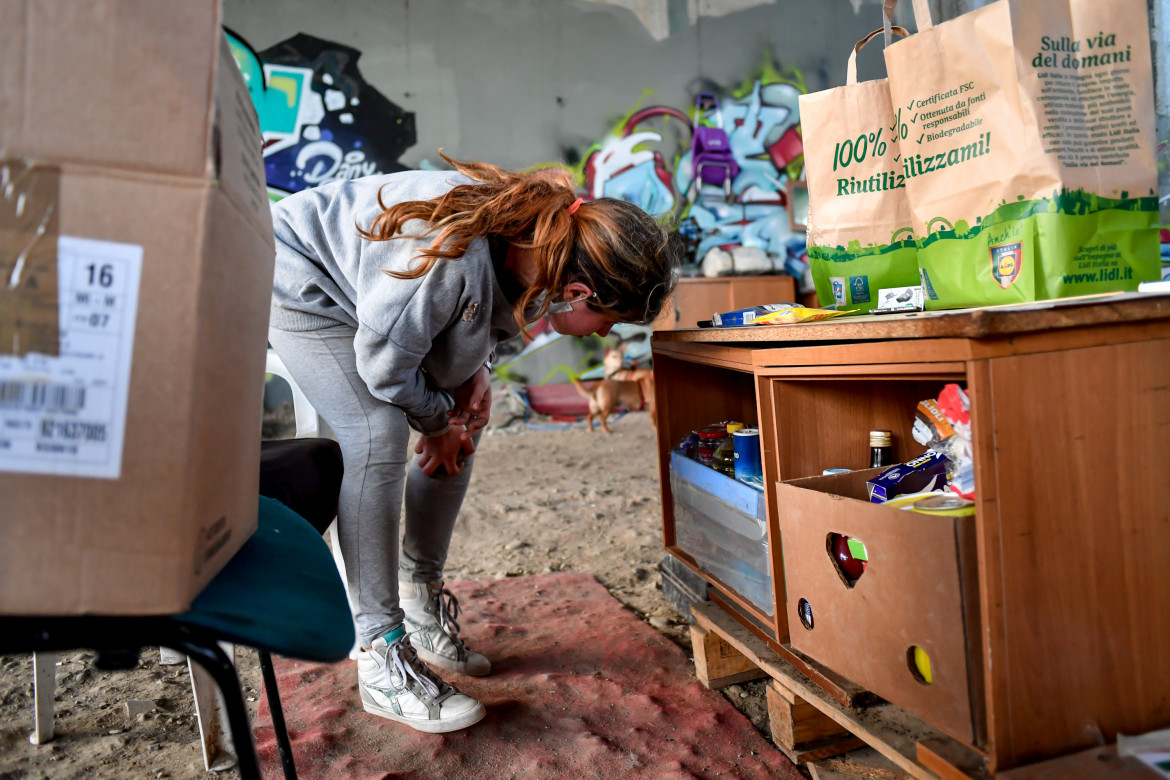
x: 67, y: 414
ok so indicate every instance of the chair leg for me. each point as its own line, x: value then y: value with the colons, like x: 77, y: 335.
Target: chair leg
x: 44, y: 689
x: 216, y: 662
x: 215, y: 733
x: 278, y: 724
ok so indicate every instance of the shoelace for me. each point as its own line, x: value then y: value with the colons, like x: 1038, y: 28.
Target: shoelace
x: 447, y: 611
x: 401, y: 654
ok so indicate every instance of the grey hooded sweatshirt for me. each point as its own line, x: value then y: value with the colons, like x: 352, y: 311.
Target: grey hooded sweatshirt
x: 417, y: 339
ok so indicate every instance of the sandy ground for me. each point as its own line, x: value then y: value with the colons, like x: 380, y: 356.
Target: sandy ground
x: 544, y: 498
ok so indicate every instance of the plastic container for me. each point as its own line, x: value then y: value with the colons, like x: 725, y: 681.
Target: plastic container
x: 681, y: 587
x: 720, y: 523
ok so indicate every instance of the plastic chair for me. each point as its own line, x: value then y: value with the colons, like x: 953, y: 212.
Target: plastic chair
x: 309, y: 423
x: 279, y: 594
x: 219, y: 752
x: 213, y: 715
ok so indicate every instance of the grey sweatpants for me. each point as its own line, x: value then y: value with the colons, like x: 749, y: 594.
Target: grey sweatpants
x: 374, y: 438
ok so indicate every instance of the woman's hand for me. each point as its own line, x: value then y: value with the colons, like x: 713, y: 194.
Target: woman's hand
x: 473, y: 402
x: 448, y: 450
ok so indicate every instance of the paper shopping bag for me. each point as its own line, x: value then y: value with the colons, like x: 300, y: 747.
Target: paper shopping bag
x: 1028, y: 140
x: 859, y: 237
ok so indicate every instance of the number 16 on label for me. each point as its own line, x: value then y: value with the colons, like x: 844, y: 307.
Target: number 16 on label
x: 100, y: 281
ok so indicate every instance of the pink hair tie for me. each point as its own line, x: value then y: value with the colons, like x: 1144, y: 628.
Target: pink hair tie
x: 575, y: 205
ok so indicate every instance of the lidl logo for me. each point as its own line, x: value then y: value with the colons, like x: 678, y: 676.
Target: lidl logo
x: 1006, y: 260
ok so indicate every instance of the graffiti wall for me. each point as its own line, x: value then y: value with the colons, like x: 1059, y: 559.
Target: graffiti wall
x: 720, y: 167
x: 319, y: 118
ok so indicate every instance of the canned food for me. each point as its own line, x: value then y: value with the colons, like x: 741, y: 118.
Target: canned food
x: 748, y: 464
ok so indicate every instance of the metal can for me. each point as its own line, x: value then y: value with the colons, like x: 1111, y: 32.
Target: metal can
x: 747, y: 454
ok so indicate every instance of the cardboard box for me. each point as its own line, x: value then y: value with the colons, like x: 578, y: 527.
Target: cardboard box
x: 133, y: 346
x: 721, y: 523
x: 919, y: 588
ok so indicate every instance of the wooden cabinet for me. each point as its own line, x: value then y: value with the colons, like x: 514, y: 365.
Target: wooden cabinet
x: 1064, y: 631
x: 697, y: 298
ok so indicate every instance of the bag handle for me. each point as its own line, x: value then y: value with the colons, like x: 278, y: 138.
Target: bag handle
x: 922, y: 15
x: 851, y: 69
x: 888, y: 19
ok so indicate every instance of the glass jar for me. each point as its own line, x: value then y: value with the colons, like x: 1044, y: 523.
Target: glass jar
x: 724, y: 459
x: 881, y: 449
x: 710, y: 437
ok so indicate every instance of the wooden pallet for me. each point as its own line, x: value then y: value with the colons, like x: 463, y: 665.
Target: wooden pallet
x: 800, y: 731
x: 808, y: 724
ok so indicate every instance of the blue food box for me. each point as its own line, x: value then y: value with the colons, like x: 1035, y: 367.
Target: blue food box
x: 721, y: 523
x: 926, y: 472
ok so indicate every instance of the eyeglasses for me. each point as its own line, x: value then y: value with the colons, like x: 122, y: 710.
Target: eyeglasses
x: 564, y: 307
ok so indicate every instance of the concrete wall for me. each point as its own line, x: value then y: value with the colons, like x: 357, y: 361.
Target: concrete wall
x: 518, y: 82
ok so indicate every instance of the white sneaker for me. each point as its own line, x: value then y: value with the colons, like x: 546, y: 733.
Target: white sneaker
x: 395, y: 684
x: 431, y: 611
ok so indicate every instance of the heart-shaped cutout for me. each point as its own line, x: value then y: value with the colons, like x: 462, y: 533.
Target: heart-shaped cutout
x: 849, y: 557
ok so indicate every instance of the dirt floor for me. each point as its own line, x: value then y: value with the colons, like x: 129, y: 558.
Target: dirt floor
x: 544, y: 498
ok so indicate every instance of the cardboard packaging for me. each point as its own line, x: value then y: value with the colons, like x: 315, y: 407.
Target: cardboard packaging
x: 919, y: 589
x: 136, y: 239
x: 926, y: 472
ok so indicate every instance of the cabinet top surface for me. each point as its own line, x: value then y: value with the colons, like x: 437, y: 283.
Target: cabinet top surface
x: 952, y: 323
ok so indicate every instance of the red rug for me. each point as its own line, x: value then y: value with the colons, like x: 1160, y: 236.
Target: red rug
x: 580, y: 688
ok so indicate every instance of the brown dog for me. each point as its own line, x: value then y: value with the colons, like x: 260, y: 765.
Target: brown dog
x: 629, y: 388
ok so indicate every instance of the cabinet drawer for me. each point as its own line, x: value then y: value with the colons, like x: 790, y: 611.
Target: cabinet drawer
x: 919, y: 589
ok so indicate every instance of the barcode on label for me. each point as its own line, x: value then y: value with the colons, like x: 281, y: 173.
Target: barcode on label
x: 41, y: 396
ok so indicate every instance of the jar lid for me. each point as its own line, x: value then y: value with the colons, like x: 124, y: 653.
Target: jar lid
x: 732, y: 427
x: 880, y: 438
x: 712, y: 432
x: 747, y: 432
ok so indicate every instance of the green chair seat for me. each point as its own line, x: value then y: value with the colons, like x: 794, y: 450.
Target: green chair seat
x: 280, y: 593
